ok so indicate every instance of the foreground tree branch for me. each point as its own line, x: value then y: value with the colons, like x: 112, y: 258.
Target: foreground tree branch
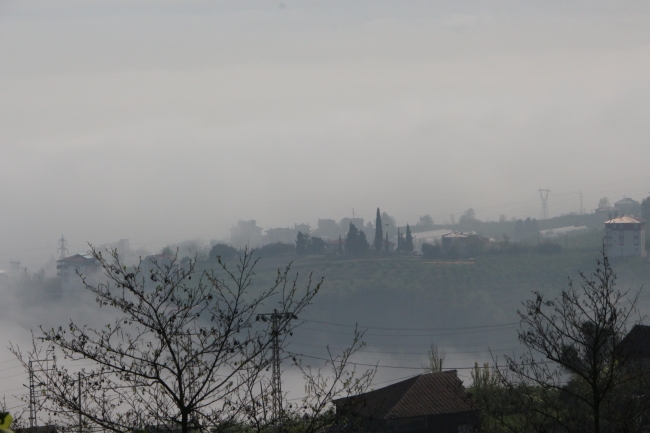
x: 184, y: 352
x: 573, y: 375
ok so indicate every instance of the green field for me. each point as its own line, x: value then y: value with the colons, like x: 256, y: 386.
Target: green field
x: 412, y: 292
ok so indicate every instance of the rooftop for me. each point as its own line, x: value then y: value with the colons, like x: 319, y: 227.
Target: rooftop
x: 77, y: 258
x: 636, y: 343
x: 457, y: 235
x: 627, y: 200
x: 625, y: 219
x: 426, y: 394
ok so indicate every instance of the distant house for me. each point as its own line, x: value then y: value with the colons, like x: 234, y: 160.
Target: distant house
x: 283, y: 235
x: 333, y: 246
x: 302, y: 227
x: 85, y: 264
x: 605, y: 213
x: 328, y: 228
x: 429, y: 237
x: 387, y: 247
x: 428, y: 403
x: 246, y: 233
x: 636, y: 344
x: 627, y: 206
x: 463, y: 243
x: 625, y: 236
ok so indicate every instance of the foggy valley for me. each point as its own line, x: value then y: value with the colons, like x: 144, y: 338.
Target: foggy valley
x: 451, y: 181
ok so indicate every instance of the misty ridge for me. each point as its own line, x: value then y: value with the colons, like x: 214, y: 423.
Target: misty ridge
x: 452, y: 289
x: 464, y: 273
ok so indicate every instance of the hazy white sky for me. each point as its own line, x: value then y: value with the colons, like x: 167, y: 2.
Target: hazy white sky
x: 162, y: 121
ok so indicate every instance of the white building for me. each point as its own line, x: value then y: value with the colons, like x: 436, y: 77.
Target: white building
x: 562, y: 231
x: 431, y: 237
x: 84, y: 263
x: 625, y: 236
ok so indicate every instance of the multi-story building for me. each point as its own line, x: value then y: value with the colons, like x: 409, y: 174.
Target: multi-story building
x: 628, y: 206
x: 625, y: 236
x: 84, y: 263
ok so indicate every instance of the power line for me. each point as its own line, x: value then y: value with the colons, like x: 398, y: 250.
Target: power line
x: 416, y: 335
x: 11, y: 368
x: 388, y: 352
x: 410, y: 329
x: 401, y: 367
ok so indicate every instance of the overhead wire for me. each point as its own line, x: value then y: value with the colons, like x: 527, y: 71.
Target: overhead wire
x: 416, y: 335
x: 396, y: 329
x: 363, y: 350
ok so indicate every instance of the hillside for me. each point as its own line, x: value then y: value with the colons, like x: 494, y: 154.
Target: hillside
x: 407, y: 302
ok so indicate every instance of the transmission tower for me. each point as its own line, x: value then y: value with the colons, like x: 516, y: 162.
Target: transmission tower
x: 33, y: 398
x: 543, y: 194
x: 581, y: 208
x: 63, y: 248
x: 279, y: 322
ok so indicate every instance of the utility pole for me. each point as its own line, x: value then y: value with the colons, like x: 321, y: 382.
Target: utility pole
x: 79, y: 397
x: 32, y: 398
x: 581, y: 208
x: 543, y: 194
x: 279, y: 321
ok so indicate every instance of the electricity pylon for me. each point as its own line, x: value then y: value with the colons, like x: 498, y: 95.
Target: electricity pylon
x: 543, y: 194
x: 279, y: 322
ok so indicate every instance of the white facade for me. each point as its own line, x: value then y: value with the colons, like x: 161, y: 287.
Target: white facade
x: 625, y: 236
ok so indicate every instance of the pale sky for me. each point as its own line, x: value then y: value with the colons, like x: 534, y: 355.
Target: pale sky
x: 160, y: 121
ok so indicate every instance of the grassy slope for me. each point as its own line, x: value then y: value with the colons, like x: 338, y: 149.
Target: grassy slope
x: 411, y: 292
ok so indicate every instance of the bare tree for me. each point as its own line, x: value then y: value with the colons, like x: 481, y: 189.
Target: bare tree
x: 436, y: 358
x: 573, y: 376
x: 185, y: 351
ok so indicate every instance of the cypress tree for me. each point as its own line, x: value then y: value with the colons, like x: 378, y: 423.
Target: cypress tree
x: 379, y: 235
x: 301, y: 244
x: 408, y: 245
x: 362, y: 243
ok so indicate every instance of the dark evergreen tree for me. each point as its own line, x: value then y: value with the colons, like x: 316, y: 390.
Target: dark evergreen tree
x: 356, y: 241
x: 351, y: 239
x: 379, y: 232
x: 226, y: 252
x: 519, y: 230
x: 408, y: 242
x: 400, y: 238
x: 645, y: 209
x: 315, y: 246
x: 301, y: 244
x: 362, y: 243
x: 387, y: 245
x: 340, y: 246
